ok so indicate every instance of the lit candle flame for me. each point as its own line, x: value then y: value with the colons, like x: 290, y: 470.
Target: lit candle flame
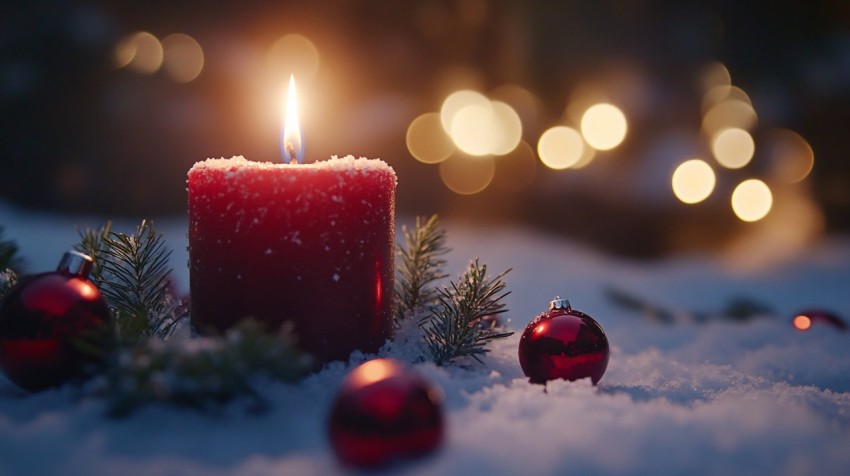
x: 291, y: 142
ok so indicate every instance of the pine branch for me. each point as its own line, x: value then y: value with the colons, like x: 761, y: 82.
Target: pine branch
x: 132, y: 273
x: 203, y: 373
x: 453, y: 328
x: 420, y: 266
x: 93, y: 242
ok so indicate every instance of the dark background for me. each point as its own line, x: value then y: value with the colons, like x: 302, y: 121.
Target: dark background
x: 78, y: 134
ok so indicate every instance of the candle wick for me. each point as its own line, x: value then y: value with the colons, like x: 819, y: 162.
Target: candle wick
x: 291, y: 149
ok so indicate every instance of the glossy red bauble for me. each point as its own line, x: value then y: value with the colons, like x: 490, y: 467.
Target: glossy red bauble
x: 563, y: 343
x: 384, y: 412
x: 49, y: 323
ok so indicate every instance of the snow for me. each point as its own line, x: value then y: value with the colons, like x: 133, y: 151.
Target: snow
x: 239, y: 164
x: 717, y: 398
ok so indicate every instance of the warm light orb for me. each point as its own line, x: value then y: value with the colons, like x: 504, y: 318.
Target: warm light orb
x: 141, y: 52
x: 802, y: 322
x: 507, y: 128
x: 586, y: 158
x: 791, y: 156
x: 456, y: 101
x: 693, y: 181
x: 472, y: 129
x: 427, y: 141
x: 467, y: 175
x: 291, y: 140
x: 732, y: 113
x: 752, y: 200
x: 719, y: 94
x: 184, y: 58
x: 560, y: 147
x: 715, y: 74
x: 489, y: 128
x: 293, y: 54
x: 733, y: 148
x: 604, y: 126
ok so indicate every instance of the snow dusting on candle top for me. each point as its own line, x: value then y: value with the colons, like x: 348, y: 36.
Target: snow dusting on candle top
x: 238, y: 164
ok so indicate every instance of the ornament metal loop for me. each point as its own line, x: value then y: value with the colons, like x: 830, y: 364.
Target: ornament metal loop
x: 75, y: 263
x: 559, y: 303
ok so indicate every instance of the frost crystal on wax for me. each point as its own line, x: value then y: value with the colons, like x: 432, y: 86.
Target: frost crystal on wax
x: 307, y: 243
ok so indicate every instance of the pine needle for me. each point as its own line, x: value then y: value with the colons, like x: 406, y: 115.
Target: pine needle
x: 420, y: 266
x: 132, y: 274
x: 453, y: 327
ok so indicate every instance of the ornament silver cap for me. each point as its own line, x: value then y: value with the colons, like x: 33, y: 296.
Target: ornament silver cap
x: 559, y: 303
x: 74, y: 263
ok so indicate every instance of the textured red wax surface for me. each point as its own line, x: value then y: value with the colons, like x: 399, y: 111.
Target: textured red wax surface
x: 312, y: 244
x: 563, y: 344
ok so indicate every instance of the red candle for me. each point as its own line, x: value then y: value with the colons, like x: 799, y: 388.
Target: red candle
x: 307, y: 243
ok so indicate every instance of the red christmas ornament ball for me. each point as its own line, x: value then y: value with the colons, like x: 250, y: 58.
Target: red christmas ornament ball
x: 563, y: 343
x: 383, y: 412
x: 43, y: 321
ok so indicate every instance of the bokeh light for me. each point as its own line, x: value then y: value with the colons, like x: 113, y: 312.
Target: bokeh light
x: 293, y: 54
x: 733, y: 148
x: 790, y: 156
x: 456, y: 101
x: 141, y: 52
x: 472, y: 129
x: 752, y: 200
x: 732, y: 113
x: 715, y: 74
x: 719, y: 94
x: 516, y: 170
x: 506, y: 128
x: 587, y: 156
x: 467, y: 175
x: 183, y: 57
x: 483, y: 128
x: 693, y: 181
x: 427, y: 141
x: 603, y: 126
x: 560, y: 147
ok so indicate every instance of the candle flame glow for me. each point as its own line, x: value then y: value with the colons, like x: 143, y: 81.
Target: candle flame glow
x: 291, y: 142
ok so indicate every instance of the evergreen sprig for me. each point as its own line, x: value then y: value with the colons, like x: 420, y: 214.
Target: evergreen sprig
x: 202, y: 373
x: 132, y: 272
x: 453, y: 327
x: 420, y: 266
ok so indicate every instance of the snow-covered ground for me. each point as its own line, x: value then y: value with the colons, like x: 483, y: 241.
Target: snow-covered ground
x: 720, y: 398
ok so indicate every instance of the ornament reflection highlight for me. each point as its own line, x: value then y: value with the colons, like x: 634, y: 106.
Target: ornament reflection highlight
x: 802, y: 322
